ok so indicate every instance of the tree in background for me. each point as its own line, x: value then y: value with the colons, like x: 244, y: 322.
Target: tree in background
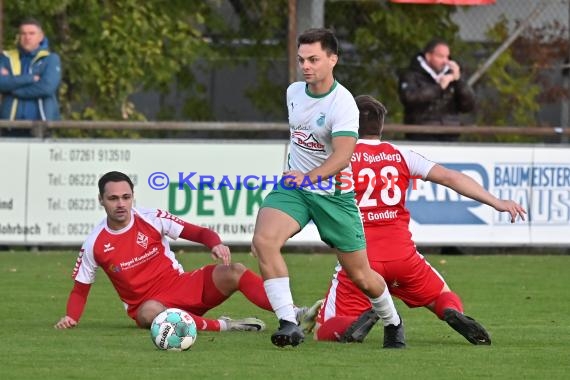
x: 524, y: 77
x: 376, y: 40
x: 380, y: 38
x: 257, y: 35
x: 507, y: 85
x: 544, y: 50
x: 113, y: 49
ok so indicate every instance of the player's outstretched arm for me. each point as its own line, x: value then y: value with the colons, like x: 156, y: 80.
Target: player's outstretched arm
x: 468, y: 187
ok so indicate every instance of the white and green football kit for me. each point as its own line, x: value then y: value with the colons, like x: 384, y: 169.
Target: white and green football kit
x: 314, y: 120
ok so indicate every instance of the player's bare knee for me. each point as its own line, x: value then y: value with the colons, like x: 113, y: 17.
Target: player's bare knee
x: 235, y: 271
x: 262, y: 241
x: 362, y: 281
x: 148, y: 311
x: 238, y: 269
x: 253, y: 250
x: 226, y: 277
x: 228, y: 271
x: 257, y: 244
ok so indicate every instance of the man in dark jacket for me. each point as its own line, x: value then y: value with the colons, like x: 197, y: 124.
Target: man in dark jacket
x: 433, y: 91
x: 29, y: 79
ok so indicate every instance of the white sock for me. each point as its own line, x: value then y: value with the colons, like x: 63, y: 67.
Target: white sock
x: 223, y: 325
x: 279, y: 294
x: 384, y: 306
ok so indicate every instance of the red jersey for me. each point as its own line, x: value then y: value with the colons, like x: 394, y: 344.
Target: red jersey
x: 137, y: 258
x: 382, y: 174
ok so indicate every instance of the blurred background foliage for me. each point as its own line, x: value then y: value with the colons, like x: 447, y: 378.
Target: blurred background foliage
x: 111, y: 50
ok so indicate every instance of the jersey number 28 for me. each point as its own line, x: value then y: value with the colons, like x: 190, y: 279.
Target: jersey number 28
x: 386, y: 180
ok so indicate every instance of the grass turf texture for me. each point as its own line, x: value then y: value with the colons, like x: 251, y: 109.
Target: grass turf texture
x: 521, y: 300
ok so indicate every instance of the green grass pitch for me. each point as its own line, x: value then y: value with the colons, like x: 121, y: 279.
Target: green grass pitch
x: 522, y: 300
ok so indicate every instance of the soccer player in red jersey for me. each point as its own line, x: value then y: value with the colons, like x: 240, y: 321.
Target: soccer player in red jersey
x: 383, y: 173
x: 131, y: 247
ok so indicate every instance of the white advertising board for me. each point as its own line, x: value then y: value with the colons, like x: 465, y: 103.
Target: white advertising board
x: 14, y: 227
x: 549, y: 196
x: 48, y: 193
x: 216, y: 185
x: 439, y: 214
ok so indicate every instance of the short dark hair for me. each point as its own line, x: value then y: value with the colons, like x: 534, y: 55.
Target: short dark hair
x: 113, y: 176
x: 326, y: 37
x: 30, y: 21
x: 372, y: 114
x: 428, y: 48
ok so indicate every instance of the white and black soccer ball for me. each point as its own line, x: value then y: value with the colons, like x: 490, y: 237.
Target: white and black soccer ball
x: 174, y: 330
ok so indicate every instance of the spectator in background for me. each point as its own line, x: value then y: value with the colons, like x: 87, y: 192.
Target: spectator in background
x: 29, y: 79
x: 433, y: 92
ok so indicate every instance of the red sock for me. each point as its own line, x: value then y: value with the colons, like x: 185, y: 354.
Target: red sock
x: 205, y: 324
x: 447, y: 300
x: 251, y: 286
x: 333, y: 328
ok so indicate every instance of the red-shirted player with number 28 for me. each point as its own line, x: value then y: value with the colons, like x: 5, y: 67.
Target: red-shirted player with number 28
x: 383, y: 173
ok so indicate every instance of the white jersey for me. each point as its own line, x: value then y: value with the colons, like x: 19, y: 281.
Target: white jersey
x: 314, y: 120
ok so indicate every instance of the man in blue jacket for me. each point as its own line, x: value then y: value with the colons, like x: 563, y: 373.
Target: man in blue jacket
x: 29, y: 79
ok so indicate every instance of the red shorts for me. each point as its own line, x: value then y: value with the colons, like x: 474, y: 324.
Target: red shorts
x: 413, y: 280
x: 193, y: 291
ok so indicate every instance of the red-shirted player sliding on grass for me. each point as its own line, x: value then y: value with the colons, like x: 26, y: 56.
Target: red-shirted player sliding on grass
x: 346, y: 313
x: 131, y: 246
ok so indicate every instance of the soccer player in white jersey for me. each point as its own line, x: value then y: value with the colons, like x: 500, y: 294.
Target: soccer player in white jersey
x: 130, y: 245
x: 383, y: 174
x: 318, y: 186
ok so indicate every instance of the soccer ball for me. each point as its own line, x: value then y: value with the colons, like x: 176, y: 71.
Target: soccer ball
x: 174, y: 330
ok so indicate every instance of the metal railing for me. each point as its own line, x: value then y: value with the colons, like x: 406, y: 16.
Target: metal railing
x: 43, y: 129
